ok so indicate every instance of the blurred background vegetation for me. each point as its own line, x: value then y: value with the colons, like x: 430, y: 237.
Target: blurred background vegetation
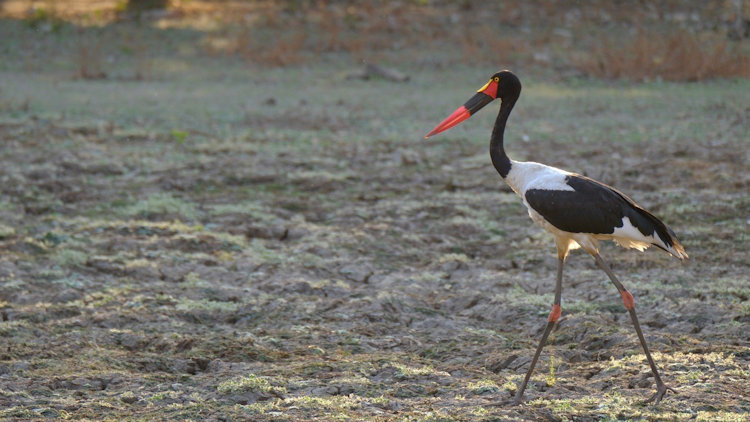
x: 645, y: 40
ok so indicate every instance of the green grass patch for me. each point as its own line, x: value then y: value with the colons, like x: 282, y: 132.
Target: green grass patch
x: 250, y: 382
x: 159, y: 205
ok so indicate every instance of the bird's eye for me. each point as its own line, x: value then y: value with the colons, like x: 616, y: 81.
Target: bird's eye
x: 496, y: 79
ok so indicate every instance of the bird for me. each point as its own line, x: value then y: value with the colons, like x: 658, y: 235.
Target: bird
x: 578, y: 211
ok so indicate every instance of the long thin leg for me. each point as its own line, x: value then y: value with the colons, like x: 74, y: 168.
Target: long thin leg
x: 551, y: 321
x: 629, y: 302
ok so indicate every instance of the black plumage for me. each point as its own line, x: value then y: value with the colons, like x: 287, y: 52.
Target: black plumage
x: 593, y: 207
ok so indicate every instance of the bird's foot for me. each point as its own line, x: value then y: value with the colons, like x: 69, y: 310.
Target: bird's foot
x: 661, y: 390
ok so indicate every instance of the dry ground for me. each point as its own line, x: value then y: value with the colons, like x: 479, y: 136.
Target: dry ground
x: 222, y: 241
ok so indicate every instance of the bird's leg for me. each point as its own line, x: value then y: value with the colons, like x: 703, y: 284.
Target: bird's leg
x: 627, y: 299
x: 554, y: 315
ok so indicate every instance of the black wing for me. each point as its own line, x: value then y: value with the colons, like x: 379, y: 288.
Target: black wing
x: 593, y: 207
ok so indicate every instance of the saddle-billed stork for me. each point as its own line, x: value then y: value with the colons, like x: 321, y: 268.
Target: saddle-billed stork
x: 577, y: 210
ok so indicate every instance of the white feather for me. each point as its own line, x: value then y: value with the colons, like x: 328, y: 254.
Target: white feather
x: 529, y: 175
x: 628, y: 236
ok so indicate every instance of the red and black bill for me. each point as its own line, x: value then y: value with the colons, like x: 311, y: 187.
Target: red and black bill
x: 484, y: 96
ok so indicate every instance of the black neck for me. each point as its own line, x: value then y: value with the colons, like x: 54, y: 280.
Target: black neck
x: 497, y: 152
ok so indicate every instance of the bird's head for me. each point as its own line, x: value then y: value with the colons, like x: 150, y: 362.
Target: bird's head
x: 504, y: 85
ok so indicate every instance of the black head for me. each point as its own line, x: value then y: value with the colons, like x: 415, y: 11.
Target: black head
x: 504, y: 85
x: 508, y: 85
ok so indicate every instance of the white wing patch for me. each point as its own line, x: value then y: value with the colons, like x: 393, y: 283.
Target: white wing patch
x: 529, y: 175
x: 628, y: 236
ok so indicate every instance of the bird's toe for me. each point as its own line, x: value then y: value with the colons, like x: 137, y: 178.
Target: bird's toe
x: 661, y: 390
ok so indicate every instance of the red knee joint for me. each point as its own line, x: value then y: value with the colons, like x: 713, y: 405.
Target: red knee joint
x: 554, y: 314
x: 628, y: 300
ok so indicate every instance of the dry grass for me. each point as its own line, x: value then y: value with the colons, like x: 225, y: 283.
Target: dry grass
x: 283, y: 34
x: 90, y: 59
x: 483, y: 45
x: 680, y: 56
x: 596, y: 36
x: 278, y: 50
